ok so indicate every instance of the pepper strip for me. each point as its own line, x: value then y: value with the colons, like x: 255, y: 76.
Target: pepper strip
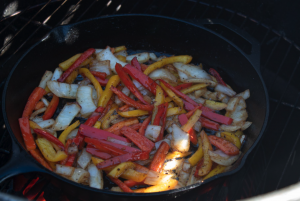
x: 172, y: 95
x: 113, y: 108
x: 48, y: 151
x: 104, y: 110
x: 51, y: 107
x: 193, y: 160
x: 113, y: 81
x: 183, y: 86
x: 39, y: 157
x: 143, y: 79
x: 139, y: 140
x: 207, y: 162
x: 133, y: 113
x: 129, y: 84
x: 206, y: 123
x: 164, y: 107
x: 105, y: 147
x: 66, y: 64
x: 193, y: 88
x: 27, y: 136
x: 119, y: 125
x: 123, y: 158
x: 169, y: 60
x: 134, y: 127
x: 49, y: 137
x: 67, y: 131
x: 159, y: 99
x: 159, y: 157
x: 183, y: 120
x: 121, y: 185
x: 144, y: 126
x: 76, y: 64
x: 120, y: 146
x: 96, y: 152
x: 217, y: 76
x: 135, y: 63
x: 101, y: 75
x: 34, y: 97
x: 88, y: 74
x: 130, y: 101
x: 178, y: 93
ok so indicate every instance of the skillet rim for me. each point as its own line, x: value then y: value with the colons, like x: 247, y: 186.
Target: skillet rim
x: 44, y: 170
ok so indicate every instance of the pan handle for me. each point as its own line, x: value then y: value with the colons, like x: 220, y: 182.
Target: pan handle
x: 18, y: 163
x: 253, y: 56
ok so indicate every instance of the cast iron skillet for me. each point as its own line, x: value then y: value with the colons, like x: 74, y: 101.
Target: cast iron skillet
x: 137, y: 32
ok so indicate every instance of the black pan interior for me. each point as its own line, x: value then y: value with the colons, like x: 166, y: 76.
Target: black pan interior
x: 141, y: 32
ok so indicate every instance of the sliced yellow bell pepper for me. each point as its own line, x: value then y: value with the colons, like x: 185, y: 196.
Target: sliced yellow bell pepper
x: 106, y: 122
x: 217, y: 170
x: 192, y: 120
x: 91, y: 77
x: 172, y: 95
x: 113, y: 108
x: 48, y: 151
x: 120, y: 169
x: 177, y: 154
x: 97, y: 125
x: 34, y: 125
x: 169, y: 60
x: 168, y: 99
x: 133, y: 113
x: 207, y: 163
x: 71, y: 78
x: 175, y: 111
x: 193, y: 88
x: 47, y: 90
x: 86, y: 62
x: 168, y: 185
x: 113, y: 81
x: 134, y: 175
x: 196, y: 157
x: 232, y: 138
x: 96, y: 160
x: 121, y: 58
x: 159, y: 99
x: 63, y: 136
x: 238, y: 133
x: 215, y: 105
x: 120, y: 48
x: 66, y: 64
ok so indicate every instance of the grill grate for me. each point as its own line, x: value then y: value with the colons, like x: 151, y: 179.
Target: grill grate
x: 272, y: 165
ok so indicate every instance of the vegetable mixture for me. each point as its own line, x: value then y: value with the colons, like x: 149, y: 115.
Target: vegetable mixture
x: 150, y: 123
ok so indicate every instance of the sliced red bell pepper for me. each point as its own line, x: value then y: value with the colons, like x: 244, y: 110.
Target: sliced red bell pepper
x: 143, y: 79
x: 99, y: 109
x: 215, y: 73
x: 188, y: 106
x: 130, y: 101
x: 145, y: 125
x: 206, y: 123
x: 40, y: 158
x: 51, y: 107
x: 70, y: 160
x: 99, y: 134
x: 107, y: 108
x: 199, y: 165
x: 99, y: 74
x: 105, y: 147
x: 144, y: 67
x: 139, y: 140
x: 217, y: 117
x: 224, y: 145
x: 26, y: 133
x: 135, y: 63
x: 102, y: 82
x: 178, y: 93
x: 120, y: 146
x: 183, y: 86
x: 124, y: 108
x: 123, y: 158
x: 183, y: 119
x: 34, y: 97
x: 49, y: 137
x: 96, y: 152
x: 134, y: 127
x: 190, y: 113
x: 76, y: 64
x: 159, y: 157
x: 164, y: 107
x: 159, y: 114
x: 121, y: 185
x: 129, y: 84
x: 131, y: 183
x: 92, y: 119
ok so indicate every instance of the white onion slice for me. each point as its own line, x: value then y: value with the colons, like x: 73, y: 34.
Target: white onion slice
x: 84, y: 159
x: 154, y: 178
x: 37, y: 112
x: 80, y: 176
x: 152, y: 132
x: 157, y: 144
x: 64, y: 170
x: 152, y: 56
x: 197, y: 127
x: 141, y: 57
x: 57, y: 73
x: 96, y: 177
x: 72, y: 150
x: 245, y: 94
x: 46, y: 77
x: 225, y: 90
x: 121, y: 53
x: 163, y: 74
x: 63, y: 90
x: 37, y: 119
x: 46, y: 123
x: 221, y: 158
x: 183, y: 177
x: 98, y: 51
x: 192, y: 71
x: 45, y: 101
x: 181, y: 140
x: 101, y: 66
x: 66, y: 115
x: 192, y: 179
x: 72, y: 134
x: 107, y: 55
x: 172, y: 164
x: 85, y: 100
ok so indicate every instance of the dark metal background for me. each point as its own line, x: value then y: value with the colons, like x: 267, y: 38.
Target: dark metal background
x: 274, y: 163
